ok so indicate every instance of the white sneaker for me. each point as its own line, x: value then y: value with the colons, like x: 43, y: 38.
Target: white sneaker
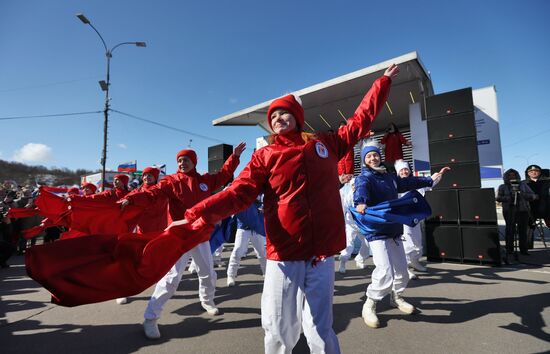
x: 210, y: 308
x: 342, y: 267
x: 121, y: 300
x: 192, y: 269
x: 401, y: 304
x: 412, y: 275
x: 417, y: 266
x: 360, y: 265
x: 230, y: 281
x: 151, y: 329
x: 369, y: 314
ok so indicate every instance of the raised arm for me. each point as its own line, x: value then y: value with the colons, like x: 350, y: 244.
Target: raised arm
x: 359, y: 125
x: 217, y: 180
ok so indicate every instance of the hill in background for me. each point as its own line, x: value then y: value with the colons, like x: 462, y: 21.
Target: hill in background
x: 33, y: 175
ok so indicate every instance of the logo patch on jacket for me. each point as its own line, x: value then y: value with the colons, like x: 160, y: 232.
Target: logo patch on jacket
x: 203, y: 187
x: 321, y: 150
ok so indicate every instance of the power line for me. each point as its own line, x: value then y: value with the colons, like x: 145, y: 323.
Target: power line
x: 51, y: 115
x: 523, y: 140
x: 168, y: 126
x: 47, y: 84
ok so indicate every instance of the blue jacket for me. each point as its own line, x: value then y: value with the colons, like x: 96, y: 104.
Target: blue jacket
x: 372, y: 188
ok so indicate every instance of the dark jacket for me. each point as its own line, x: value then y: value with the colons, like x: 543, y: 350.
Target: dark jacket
x: 507, y: 193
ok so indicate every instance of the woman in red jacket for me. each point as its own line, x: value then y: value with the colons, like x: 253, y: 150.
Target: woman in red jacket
x: 298, y: 175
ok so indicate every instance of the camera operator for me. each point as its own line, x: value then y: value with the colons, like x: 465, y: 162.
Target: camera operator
x: 540, y: 208
x: 515, y: 196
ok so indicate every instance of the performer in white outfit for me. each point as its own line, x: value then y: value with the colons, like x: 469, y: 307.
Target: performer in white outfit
x: 352, y: 232
x: 412, y: 236
x: 242, y: 236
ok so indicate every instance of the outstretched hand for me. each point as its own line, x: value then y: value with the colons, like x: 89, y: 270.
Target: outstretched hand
x: 361, y: 208
x: 239, y: 149
x: 392, y: 71
x: 123, y: 203
x: 437, y: 176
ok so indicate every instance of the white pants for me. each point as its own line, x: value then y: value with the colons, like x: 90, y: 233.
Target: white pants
x: 391, y: 268
x: 351, y: 234
x: 298, y: 294
x: 168, y: 285
x: 241, y: 248
x: 412, y: 241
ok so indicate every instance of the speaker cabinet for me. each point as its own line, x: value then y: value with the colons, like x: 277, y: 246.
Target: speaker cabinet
x: 461, y: 175
x: 481, y: 243
x: 477, y: 205
x: 217, y: 155
x: 454, y: 151
x: 452, y: 102
x: 443, y: 242
x: 444, y: 206
x: 455, y: 126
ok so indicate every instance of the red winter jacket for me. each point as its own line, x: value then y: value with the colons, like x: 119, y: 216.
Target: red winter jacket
x: 155, y: 216
x: 185, y: 190
x: 303, y: 211
x: 393, y: 142
x: 345, y: 165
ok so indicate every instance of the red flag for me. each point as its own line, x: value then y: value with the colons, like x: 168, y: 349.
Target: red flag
x: 19, y: 213
x: 52, y: 207
x: 102, y: 217
x: 97, y: 268
x: 53, y: 189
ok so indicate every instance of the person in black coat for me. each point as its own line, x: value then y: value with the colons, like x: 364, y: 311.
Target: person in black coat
x: 540, y: 207
x: 515, y: 196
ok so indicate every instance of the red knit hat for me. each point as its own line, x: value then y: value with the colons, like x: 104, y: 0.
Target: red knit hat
x: 189, y: 153
x: 123, y: 178
x: 153, y: 171
x: 73, y: 190
x: 290, y: 104
x: 92, y: 186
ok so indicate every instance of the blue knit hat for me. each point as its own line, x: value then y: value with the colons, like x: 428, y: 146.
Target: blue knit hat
x: 366, y: 150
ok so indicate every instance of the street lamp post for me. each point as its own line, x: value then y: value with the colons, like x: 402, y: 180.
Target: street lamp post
x: 105, y: 87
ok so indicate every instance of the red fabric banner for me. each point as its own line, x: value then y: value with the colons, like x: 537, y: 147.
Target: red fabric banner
x: 53, y: 189
x: 19, y: 213
x: 97, y: 268
x: 102, y: 217
x: 53, y: 207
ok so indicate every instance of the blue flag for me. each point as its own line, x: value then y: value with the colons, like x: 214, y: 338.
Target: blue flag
x: 408, y: 210
x: 221, y: 233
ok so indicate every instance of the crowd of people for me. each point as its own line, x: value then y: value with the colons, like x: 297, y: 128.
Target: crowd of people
x: 291, y: 183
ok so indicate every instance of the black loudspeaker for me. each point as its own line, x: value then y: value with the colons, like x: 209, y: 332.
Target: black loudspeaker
x: 481, y: 243
x: 455, y: 150
x: 443, y: 242
x: 461, y: 175
x: 452, y: 102
x: 217, y: 155
x: 444, y: 206
x: 455, y: 126
x: 478, y: 205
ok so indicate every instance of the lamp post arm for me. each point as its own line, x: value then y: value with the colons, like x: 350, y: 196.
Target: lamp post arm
x: 118, y: 45
x: 100, y: 37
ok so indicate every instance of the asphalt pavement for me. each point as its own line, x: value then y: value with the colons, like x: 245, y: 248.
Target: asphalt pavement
x: 462, y: 308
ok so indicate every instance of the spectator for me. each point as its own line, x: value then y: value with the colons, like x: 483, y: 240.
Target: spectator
x: 515, y: 196
x: 540, y: 207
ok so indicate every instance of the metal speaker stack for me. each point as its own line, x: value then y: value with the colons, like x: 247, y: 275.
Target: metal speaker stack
x: 463, y: 225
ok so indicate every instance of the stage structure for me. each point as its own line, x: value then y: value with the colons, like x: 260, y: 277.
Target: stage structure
x: 329, y: 103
